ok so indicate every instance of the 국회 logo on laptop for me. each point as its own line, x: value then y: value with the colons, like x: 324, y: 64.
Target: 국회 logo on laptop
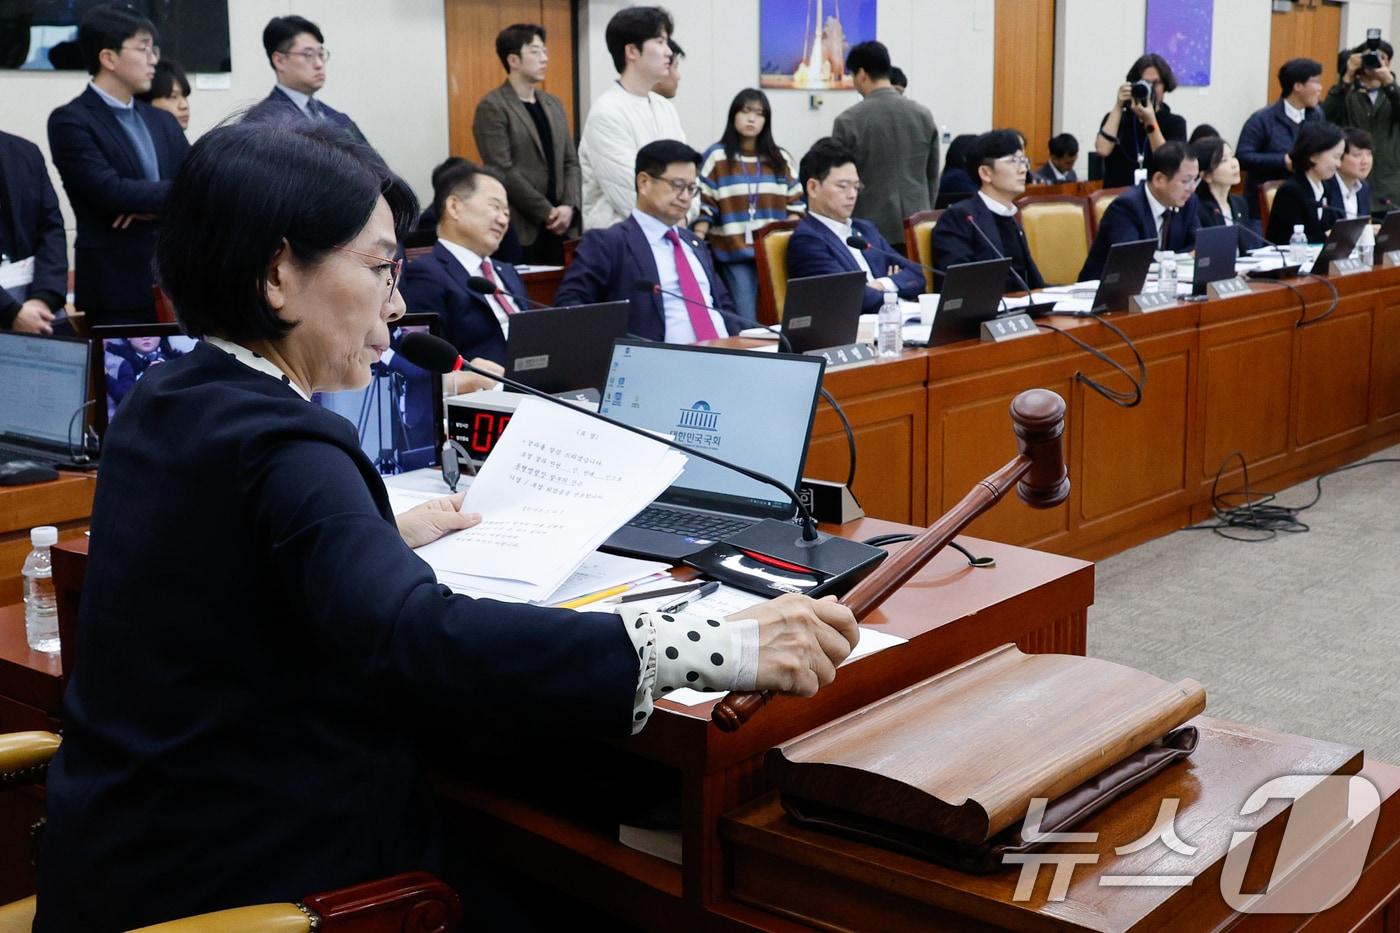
x: 698, y: 426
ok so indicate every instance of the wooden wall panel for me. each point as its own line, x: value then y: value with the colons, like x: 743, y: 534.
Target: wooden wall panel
x: 1310, y: 29
x: 1334, y: 371
x: 1242, y: 381
x: 1385, y: 365
x: 1023, y: 79
x: 891, y: 453
x: 473, y: 68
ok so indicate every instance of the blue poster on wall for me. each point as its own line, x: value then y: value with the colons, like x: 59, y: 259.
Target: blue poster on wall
x: 803, y: 43
x: 1180, y: 32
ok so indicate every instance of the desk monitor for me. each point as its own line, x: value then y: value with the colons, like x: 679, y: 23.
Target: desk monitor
x: 972, y: 293
x: 1388, y: 236
x: 823, y: 311
x: 1341, y: 240
x: 1124, y: 273
x: 398, y: 417
x: 1216, y: 249
x: 43, y: 398
x: 564, y: 349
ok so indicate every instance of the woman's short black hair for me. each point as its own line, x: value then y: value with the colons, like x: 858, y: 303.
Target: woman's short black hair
x: 243, y: 190
x: 169, y: 76
x: 958, y: 151
x: 1314, y: 136
x: 1164, y: 71
x: 1209, y: 152
x: 1201, y: 132
x: 634, y: 26
x: 107, y: 27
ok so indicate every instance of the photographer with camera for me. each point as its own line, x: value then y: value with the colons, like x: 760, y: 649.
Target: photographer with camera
x: 1139, y: 122
x: 1367, y: 98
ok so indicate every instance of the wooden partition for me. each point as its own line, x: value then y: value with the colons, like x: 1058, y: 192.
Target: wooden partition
x: 1307, y: 29
x: 1023, y: 78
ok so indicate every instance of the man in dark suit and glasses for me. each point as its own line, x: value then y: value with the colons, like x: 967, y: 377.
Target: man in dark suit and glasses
x: 523, y: 133
x: 1163, y: 208
x: 116, y: 156
x: 297, y: 53
x: 31, y: 227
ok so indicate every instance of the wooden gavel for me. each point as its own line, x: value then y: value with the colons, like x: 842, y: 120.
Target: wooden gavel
x: 1042, y: 482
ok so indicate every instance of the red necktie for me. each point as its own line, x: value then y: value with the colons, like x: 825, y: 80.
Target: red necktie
x: 501, y: 294
x: 695, y: 303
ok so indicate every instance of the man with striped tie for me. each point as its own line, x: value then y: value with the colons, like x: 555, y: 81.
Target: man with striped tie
x: 298, y: 55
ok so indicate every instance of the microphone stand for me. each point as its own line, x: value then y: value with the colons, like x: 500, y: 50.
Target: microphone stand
x: 1039, y: 474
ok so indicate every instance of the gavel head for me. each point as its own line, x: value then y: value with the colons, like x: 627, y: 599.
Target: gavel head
x: 1039, y: 419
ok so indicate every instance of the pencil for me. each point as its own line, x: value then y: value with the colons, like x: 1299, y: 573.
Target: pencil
x: 593, y: 597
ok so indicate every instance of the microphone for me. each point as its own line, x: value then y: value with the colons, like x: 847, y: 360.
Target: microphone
x: 646, y: 285
x: 856, y: 241
x: 484, y: 286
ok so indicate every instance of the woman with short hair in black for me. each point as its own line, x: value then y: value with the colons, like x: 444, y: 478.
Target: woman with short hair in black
x: 1216, y: 206
x: 1135, y: 128
x: 1310, y: 197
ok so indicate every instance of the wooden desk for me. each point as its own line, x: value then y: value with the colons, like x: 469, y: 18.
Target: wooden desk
x: 66, y: 502
x: 541, y: 285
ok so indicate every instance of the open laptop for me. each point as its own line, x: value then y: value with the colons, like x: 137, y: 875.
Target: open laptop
x: 753, y: 409
x: 398, y: 417
x: 1124, y: 272
x: 1216, y: 249
x: 43, y: 399
x: 972, y: 293
x: 1341, y: 240
x: 1387, y: 237
x: 823, y: 311
x: 564, y: 349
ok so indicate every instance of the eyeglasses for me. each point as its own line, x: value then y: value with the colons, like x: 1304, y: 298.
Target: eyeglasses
x: 856, y: 186
x: 1017, y: 160
x: 394, y: 266
x: 311, y: 56
x: 679, y: 186
x: 151, y: 52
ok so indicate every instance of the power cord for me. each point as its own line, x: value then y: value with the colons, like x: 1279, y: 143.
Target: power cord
x: 850, y: 436
x: 1302, y: 302
x: 1129, y: 399
x: 972, y: 559
x: 1260, y: 518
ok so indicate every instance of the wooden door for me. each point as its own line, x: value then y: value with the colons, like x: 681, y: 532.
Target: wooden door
x: 473, y: 68
x: 1023, y: 80
x: 1310, y: 29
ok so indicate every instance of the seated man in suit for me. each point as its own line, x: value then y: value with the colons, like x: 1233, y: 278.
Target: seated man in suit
x: 1064, y: 152
x: 116, y: 156
x: 473, y: 215
x: 627, y: 261
x: 1357, y: 161
x: 31, y: 229
x: 1162, y: 208
x: 1000, y: 163
x: 298, y: 55
x: 819, y: 244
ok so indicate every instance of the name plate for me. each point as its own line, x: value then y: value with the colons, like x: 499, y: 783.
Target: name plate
x: 845, y: 355
x: 1390, y: 257
x: 1228, y: 288
x: 1150, y: 301
x: 1346, y: 266
x: 1006, y: 328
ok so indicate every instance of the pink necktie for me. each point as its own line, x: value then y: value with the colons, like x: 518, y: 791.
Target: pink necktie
x: 501, y: 294
x: 695, y: 303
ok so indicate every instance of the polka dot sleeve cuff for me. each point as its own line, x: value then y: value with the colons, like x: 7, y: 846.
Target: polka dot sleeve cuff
x: 689, y: 649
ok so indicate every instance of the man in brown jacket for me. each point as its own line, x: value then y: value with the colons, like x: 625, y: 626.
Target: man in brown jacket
x: 522, y: 132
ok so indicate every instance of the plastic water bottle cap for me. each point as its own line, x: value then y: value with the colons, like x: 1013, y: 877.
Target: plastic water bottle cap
x: 1297, y: 228
x: 43, y: 536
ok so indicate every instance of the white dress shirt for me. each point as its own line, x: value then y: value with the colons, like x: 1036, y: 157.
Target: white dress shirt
x: 1292, y: 112
x: 1349, y: 196
x: 843, y: 232
x: 619, y: 124
x: 675, y: 309
x: 996, y: 207
x: 472, y: 263
x: 1317, y: 190
x: 1159, y: 210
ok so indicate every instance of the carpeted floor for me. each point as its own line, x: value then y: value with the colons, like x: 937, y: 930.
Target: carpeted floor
x: 1299, y: 634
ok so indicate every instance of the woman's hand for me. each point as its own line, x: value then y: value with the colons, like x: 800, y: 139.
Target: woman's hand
x: 424, y: 524
x: 458, y: 383
x: 801, y: 641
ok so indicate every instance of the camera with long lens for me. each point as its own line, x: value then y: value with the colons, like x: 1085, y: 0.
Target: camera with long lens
x: 1370, y: 59
x: 1142, y: 92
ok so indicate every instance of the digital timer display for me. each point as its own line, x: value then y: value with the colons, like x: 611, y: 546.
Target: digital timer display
x: 478, y: 429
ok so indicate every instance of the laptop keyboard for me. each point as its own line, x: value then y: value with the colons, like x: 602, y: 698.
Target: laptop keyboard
x: 689, y: 524
x: 12, y: 454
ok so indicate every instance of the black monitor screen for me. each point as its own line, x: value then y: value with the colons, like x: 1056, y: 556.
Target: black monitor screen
x: 42, y: 35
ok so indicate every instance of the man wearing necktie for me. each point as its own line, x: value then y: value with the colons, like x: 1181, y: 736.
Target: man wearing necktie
x: 652, y: 260
x: 297, y: 53
x: 1163, y: 208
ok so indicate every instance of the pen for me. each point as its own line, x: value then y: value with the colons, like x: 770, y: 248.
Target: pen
x: 689, y: 598
x: 666, y: 591
x: 593, y: 597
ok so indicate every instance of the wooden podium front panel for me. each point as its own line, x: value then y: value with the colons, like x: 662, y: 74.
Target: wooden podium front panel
x: 1334, y: 374
x: 1245, y: 384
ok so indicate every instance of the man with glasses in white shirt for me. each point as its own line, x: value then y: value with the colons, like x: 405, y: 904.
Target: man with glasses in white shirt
x: 297, y: 53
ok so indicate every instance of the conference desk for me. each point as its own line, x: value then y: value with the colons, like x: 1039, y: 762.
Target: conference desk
x: 65, y: 502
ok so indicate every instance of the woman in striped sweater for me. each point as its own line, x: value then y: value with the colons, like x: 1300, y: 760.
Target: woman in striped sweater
x: 746, y: 183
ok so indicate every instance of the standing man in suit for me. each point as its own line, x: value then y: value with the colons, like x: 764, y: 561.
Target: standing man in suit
x: 298, y: 55
x: 1001, y: 164
x: 895, y: 143
x: 31, y: 232
x: 1162, y: 208
x: 116, y: 156
x: 473, y: 214
x: 819, y: 244
x: 652, y: 247
x: 522, y: 133
x: 1269, y: 132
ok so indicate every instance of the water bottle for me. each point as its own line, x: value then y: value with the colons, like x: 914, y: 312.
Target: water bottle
x: 890, y: 336
x: 1298, y: 246
x: 1166, y: 273
x: 40, y: 606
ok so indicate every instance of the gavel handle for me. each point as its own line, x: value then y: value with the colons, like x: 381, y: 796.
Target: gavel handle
x: 866, y: 596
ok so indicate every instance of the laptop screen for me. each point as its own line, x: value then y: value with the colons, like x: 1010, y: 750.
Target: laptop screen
x: 754, y: 409
x: 43, y: 384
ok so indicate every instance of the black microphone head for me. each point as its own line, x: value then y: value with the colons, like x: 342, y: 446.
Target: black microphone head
x: 856, y: 241
x: 428, y: 352
x: 644, y: 285
x: 482, y: 285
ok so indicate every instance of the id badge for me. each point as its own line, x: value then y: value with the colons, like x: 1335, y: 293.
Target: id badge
x: 748, y: 236
x: 1139, y: 175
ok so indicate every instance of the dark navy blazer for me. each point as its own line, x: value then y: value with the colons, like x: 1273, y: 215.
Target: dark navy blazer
x: 103, y: 178
x: 31, y: 224
x: 1129, y: 218
x: 437, y: 283
x: 1267, y: 137
x: 254, y: 636
x: 1294, y: 204
x: 1210, y: 214
x: 278, y: 106
x: 611, y: 261
x: 955, y: 242
x: 814, y: 250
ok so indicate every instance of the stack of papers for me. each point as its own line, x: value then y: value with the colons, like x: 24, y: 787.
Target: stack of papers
x: 556, y: 486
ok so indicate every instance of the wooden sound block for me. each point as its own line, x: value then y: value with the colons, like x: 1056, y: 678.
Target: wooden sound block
x: 962, y: 754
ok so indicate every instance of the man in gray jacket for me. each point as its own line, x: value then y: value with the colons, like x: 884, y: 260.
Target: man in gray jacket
x: 522, y: 132
x: 894, y: 140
